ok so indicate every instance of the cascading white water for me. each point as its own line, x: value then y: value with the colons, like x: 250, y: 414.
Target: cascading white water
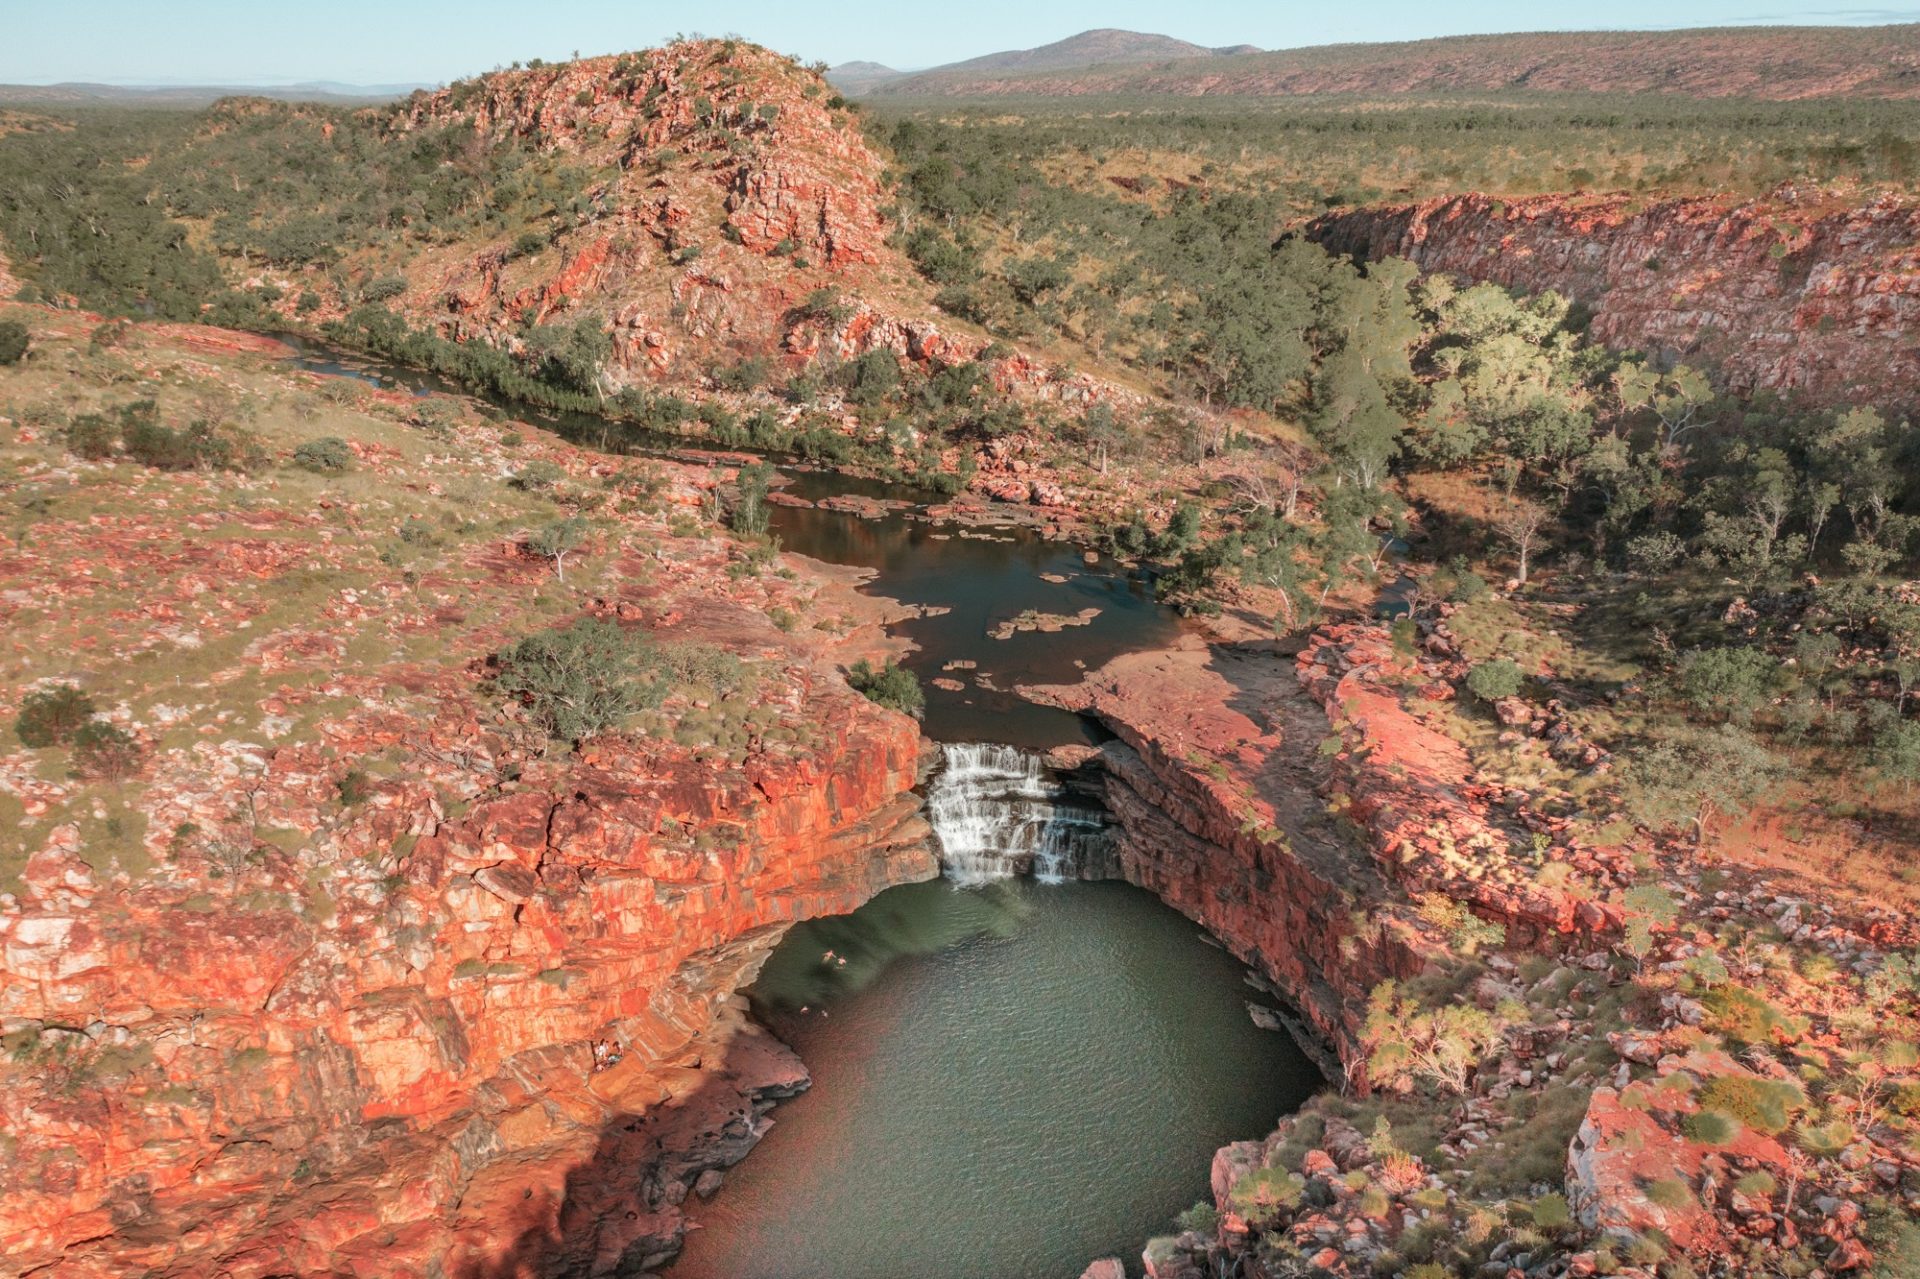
x: 998, y: 812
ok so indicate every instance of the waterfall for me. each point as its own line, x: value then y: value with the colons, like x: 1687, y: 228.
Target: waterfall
x: 998, y: 812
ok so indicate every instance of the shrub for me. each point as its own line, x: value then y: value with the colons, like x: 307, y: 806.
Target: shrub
x: 1468, y: 587
x: 1550, y: 1212
x: 92, y: 436
x: 1829, y: 1138
x: 200, y: 445
x: 387, y: 286
x: 1670, y: 1192
x: 1744, y: 1015
x: 706, y: 666
x: 1491, y: 681
x: 328, y: 455
x: 14, y: 341
x: 539, y: 476
x: 1264, y: 1192
x: 580, y: 681
x: 355, y: 787
x: 51, y: 716
x: 892, y: 686
x: 1203, y: 1219
x: 105, y: 751
x: 1764, y: 1105
x: 1711, y: 1128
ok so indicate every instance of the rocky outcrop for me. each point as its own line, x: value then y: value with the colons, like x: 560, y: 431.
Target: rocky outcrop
x: 1431, y: 823
x: 734, y: 191
x: 1793, y: 293
x: 1225, y: 768
x: 1211, y: 783
x: 349, y: 970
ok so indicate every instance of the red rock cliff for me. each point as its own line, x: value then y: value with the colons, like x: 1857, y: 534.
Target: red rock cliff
x: 1789, y: 293
x: 349, y: 971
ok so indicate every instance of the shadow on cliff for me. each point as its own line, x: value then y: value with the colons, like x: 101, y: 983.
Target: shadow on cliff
x: 617, y: 1211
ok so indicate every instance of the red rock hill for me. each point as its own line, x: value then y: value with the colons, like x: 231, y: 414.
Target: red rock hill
x: 732, y: 187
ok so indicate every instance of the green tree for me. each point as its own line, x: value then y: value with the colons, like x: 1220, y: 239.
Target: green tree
x: 1677, y: 400
x: 1495, y: 680
x: 1406, y: 1039
x: 891, y: 685
x: 1732, y: 682
x: 749, y: 514
x: 581, y: 681
x: 1694, y: 775
x: 51, y: 716
x: 14, y: 340
x: 870, y: 379
x: 328, y: 455
x: 557, y: 540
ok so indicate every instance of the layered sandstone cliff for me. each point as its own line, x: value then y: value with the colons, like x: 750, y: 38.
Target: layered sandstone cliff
x: 1793, y: 293
x: 349, y: 970
x: 1212, y: 780
x: 1319, y: 816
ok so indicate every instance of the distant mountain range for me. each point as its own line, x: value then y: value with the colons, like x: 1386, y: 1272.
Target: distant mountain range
x: 190, y: 96
x: 1755, y: 62
x: 1103, y: 46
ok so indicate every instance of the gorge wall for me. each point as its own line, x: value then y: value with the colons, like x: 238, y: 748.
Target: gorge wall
x: 1792, y: 293
x: 1308, y: 816
x: 343, y: 967
x: 1210, y: 780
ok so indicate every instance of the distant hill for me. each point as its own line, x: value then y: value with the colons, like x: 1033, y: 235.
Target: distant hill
x: 1104, y: 46
x: 1756, y: 62
x: 193, y: 96
x: 858, y: 77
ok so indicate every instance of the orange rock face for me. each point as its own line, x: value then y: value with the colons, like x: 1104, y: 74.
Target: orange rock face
x: 1787, y: 293
x: 359, y: 974
x: 715, y: 150
x: 1212, y: 782
x: 305, y: 1090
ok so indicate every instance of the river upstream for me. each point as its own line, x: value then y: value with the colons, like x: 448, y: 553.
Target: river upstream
x: 1017, y: 1069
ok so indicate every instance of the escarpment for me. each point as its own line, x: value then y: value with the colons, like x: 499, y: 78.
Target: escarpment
x: 1210, y: 781
x: 340, y: 963
x: 425, y: 1076
x: 1308, y: 817
x: 1797, y: 294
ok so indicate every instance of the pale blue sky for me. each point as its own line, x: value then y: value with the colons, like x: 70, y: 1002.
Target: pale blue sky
x: 406, y: 41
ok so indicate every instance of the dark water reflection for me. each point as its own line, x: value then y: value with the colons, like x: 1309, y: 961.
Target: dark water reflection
x: 1008, y: 1083
x: 983, y: 576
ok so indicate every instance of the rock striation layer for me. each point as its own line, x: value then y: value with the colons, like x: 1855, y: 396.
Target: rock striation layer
x: 1792, y: 293
x: 348, y: 969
